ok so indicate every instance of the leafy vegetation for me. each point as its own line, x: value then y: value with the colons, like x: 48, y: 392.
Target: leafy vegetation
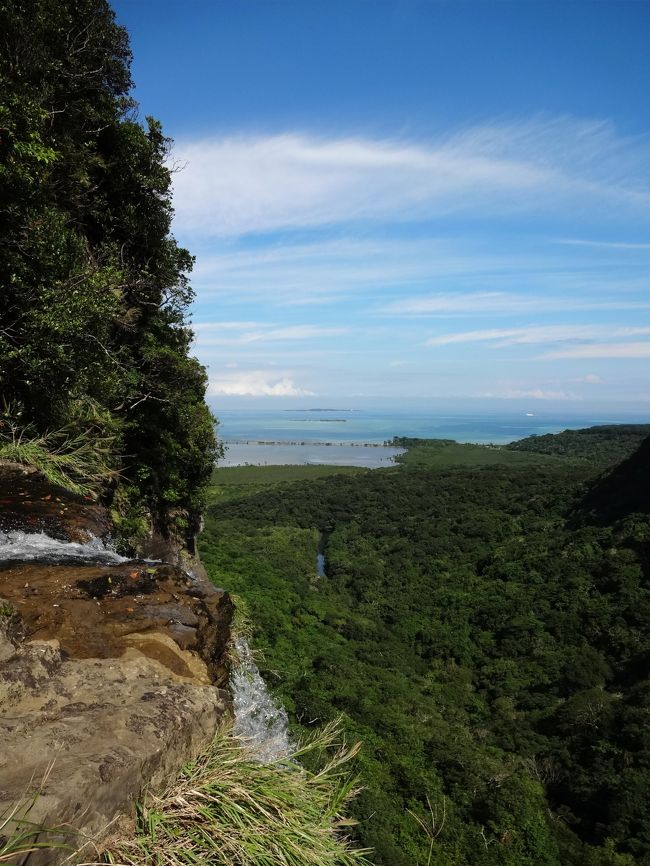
x: 232, y: 482
x: 487, y: 646
x: 435, y: 453
x: 225, y: 809
x: 72, y: 459
x: 94, y: 341
x: 608, y: 443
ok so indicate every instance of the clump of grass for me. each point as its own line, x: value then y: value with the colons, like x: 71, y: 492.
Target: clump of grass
x: 227, y: 810
x: 241, y: 628
x: 242, y: 621
x: 78, y: 461
x: 19, y: 836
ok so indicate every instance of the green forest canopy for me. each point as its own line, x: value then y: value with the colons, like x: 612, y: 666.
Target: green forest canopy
x: 478, y: 628
x: 94, y: 341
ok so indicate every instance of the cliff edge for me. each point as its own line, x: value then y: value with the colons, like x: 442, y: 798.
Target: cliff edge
x: 111, y: 670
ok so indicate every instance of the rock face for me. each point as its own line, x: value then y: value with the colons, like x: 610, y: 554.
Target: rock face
x: 30, y: 503
x: 111, y: 671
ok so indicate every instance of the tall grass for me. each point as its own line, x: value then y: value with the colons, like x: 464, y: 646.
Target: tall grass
x: 79, y: 462
x: 19, y: 836
x: 227, y: 810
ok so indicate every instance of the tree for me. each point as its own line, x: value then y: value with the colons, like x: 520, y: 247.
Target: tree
x: 94, y: 337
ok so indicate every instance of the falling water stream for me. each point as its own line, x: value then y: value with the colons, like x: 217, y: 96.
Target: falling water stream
x: 18, y: 545
x: 259, y: 721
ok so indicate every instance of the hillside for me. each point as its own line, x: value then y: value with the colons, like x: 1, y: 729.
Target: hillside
x: 623, y: 491
x: 98, y: 386
x: 604, y: 444
x: 490, y: 656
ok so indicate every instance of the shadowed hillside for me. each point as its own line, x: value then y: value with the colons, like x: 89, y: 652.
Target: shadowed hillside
x: 623, y: 491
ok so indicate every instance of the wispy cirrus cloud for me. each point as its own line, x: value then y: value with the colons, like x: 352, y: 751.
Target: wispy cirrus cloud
x: 602, y: 350
x: 235, y: 185
x: 225, y: 325
x: 397, y: 248
x: 477, y: 303
x: 211, y: 333
x: 537, y: 334
x: 530, y: 394
x: 609, y: 245
x: 399, y: 273
x: 294, y: 332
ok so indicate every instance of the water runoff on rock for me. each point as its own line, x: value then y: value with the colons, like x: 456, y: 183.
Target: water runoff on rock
x: 18, y: 545
x: 259, y: 721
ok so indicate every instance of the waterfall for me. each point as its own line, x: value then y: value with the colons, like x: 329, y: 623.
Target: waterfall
x: 18, y: 545
x: 259, y: 721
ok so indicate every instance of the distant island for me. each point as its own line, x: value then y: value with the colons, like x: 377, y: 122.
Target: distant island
x: 320, y: 410
x: 283, y: 443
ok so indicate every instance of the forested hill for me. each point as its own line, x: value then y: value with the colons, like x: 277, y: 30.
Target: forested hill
x: 606, y: 443
x: 622, y: 491
x: 97, y: 385
x: 491, y: 654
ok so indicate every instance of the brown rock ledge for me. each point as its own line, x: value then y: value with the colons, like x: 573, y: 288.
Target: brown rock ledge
x: 110, y: 674
x: 30, y: 503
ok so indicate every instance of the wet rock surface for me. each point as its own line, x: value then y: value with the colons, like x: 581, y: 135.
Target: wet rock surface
x: 99, y: 611
x: 111, y: 672
x: 28, y: 502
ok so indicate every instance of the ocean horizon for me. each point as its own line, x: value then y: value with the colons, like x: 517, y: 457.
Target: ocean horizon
x: 333, y: 435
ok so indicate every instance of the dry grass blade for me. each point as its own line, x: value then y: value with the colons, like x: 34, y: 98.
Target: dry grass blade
x: 227, y: 810
x: 19, y: 836
x: 80, y: 462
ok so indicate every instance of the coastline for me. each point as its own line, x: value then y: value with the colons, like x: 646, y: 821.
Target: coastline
x: 260, y: 452
x: 291, y: 437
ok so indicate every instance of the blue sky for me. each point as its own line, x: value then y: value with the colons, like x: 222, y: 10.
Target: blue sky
x: 410, y: 203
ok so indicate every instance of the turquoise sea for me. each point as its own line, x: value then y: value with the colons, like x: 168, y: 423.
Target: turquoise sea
x: 352, y: 437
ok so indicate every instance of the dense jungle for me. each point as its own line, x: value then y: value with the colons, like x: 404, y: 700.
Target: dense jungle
x: 480, y: 623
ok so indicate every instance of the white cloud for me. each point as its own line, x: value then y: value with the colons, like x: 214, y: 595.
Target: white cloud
x: 537, y: 334
x: 398, y: 275
x: 236, y: 185
x: 531, y: 394
x: 454, y: 303
x: 610, y: 245
x: 208, y: 334
x: 590, y: 379
x: 311, y: 272
x: 293, y: 332
x: 255, y: 383
x: 207, y: 327
x: 602, y: 350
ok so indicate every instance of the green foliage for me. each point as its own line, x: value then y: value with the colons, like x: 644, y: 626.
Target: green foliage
x: 94, y: 288
x: 604, y: 444
x: 227, y: 809
x: 491, y: 656
x: 621, y: 491
x: 81, y: 461
x: 438, y: 453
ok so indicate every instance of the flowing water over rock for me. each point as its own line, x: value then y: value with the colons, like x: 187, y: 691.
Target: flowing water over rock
x: 259, y: 721
x: 113, y: 668
x: 15, y: 544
